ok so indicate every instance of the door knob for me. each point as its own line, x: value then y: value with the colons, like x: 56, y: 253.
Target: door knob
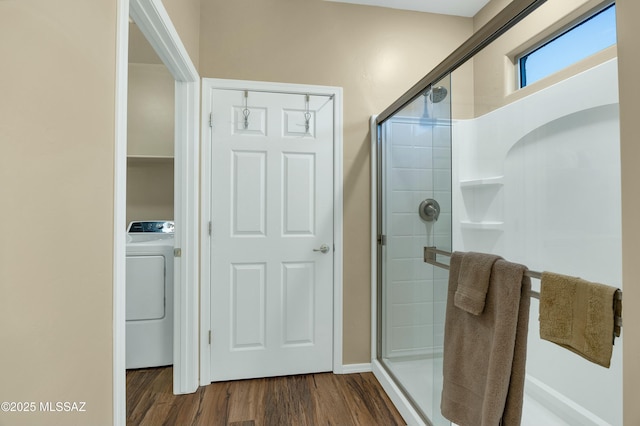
x: 323, y: 249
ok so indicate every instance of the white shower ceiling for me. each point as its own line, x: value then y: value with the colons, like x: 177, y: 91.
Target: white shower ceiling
x: 466, y: 8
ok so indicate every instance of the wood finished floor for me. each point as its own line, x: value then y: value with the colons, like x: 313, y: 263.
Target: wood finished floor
x: 311, y: 399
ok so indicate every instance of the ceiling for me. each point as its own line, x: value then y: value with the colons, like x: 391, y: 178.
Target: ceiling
x: 466, y: 8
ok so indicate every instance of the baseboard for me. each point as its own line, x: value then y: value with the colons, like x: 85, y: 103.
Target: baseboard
x: 356, y: 368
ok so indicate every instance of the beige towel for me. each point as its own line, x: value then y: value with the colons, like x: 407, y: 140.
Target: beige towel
x: 617, y: 313
x: 485, y: 355
x: 579, y: 315
x: 473, y: 281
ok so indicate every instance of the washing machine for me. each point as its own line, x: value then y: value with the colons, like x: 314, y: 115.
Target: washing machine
x: 149, y: 286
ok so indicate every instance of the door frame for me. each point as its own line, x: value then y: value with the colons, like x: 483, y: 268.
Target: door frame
x: 208, y: 84
x: 155, y: 23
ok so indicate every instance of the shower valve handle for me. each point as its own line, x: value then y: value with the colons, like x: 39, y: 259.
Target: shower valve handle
x: 429, y: 210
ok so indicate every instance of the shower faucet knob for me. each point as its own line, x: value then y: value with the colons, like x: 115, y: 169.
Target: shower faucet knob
x: 429, y: 210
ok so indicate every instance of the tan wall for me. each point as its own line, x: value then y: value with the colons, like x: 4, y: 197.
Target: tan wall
x: 149, y: 189
x: 628, y: 12
x: 150, y: 111
x: 185, y: 15
x: 150, y: 134
x: 56, y: 168
x: 56, y: 134
x: 375, y: 54
x: 140, y: 51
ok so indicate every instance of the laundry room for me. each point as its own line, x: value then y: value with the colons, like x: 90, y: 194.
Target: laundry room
x: 149, y: 210
x: 150, y: 133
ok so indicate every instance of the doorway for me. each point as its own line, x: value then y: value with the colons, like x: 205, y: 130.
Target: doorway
x: 154, y: 23
x: 272, y: 262
x: 150, y: 194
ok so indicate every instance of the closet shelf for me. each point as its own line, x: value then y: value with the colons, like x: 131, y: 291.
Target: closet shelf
x: 486, y: 225
x: 150, y: 157
x: 475, y: 183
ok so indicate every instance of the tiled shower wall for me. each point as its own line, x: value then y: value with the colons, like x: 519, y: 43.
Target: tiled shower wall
x: 418, y: 166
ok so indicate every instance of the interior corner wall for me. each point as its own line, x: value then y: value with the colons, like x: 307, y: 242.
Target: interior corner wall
x: 375, y: 54
x: 57, y: 136
x: 628, y: 63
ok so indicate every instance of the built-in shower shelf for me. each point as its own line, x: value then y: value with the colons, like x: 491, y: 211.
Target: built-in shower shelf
x: 475, y: 183
x: 488, y: 225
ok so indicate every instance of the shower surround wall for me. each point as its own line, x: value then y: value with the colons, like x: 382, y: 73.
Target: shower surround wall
x: 418, y: 168
x: 538, y: 182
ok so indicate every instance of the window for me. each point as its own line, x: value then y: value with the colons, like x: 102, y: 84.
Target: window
x: 589, y: 36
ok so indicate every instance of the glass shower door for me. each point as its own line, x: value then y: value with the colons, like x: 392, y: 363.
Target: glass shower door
x: 414, y: 213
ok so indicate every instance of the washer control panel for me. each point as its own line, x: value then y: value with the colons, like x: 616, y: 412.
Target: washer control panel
x: 148, y: 226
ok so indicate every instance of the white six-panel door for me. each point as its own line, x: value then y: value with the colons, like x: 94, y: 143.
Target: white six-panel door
x: 272, y: 234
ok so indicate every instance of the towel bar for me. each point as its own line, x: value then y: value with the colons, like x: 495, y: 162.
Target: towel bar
x: 430, y: 257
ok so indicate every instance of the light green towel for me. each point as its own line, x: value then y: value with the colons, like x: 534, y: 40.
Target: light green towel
x: 578, y: 315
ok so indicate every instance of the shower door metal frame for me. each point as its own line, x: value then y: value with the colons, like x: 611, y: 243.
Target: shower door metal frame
x: 379, y: 242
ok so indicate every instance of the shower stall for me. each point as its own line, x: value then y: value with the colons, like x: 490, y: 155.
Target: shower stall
x: 466, y: 161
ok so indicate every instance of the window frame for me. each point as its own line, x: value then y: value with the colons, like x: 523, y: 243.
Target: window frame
x: 521, y: 58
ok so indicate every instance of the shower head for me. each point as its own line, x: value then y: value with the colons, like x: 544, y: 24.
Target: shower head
x: 437, y: 94
x: 431, y: 97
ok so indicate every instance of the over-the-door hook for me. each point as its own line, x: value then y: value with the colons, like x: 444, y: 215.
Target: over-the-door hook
x: 307, y: 115
x: 246, y: 111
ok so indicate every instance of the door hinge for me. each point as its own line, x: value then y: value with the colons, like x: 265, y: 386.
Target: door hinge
x: 210, y: 228
x: 177, y: 252
x: 382, y: 240
x: 209, y: 336
x: 210, y: 119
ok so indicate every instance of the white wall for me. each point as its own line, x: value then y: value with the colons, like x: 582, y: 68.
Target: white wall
x: 555, y: 206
